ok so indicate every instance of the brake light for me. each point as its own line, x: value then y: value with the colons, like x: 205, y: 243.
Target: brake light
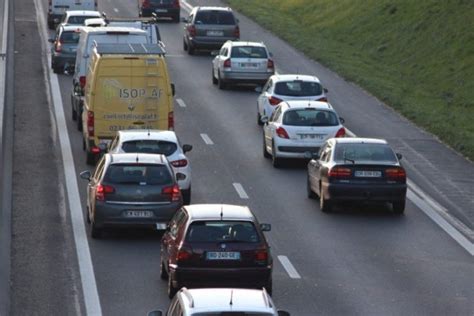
x: 179, y: 163
x: 192, y: 30
x: 95, y: 150
x: 227, y: 63
x: 102, y: 190
x: 90, y: 123
x: 237, y: 32
x: 339, y: 172
x: 281, y: 132
x: 173, y: 191
x: 176, y: 4
x: 261, y: 255
x: 270, y: 64
x: 396, y: 174
x: 58, y: 47
x: 183, y: 254
x: 171, y: 121
x: 146, y: 4
x: 274, y: 101
x: 82, y: 81
x: 341, y: 132
x: 322, y: 99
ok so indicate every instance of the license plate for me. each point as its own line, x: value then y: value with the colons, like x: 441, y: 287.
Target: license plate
x: 160, y: 226
x: 221, y: 255
x: 161, y: 10
x: 312, y: 136
x: 134, y: 214
x: 248, y: 65
x: 215, y: 33
x: 368, y: 174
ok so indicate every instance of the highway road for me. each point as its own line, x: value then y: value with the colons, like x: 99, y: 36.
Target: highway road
x: 356, y: 261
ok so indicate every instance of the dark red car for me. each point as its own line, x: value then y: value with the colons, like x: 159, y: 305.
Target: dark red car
x: 162, y: 8
x: 215, y: 245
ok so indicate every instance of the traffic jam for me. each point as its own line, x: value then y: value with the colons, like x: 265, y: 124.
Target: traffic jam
x: 215, y: 258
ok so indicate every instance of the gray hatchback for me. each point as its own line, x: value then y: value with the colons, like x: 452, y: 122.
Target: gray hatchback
x: 63, y: 51
x: 133, y: 190
x: 209, y: 28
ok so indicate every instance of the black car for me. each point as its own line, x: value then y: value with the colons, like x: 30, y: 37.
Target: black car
x: 215, y: 245
x: 357, y: 169
x: 162, y: 8
x: 131, y: 190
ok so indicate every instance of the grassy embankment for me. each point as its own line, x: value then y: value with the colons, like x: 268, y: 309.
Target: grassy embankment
x: 416, y: 56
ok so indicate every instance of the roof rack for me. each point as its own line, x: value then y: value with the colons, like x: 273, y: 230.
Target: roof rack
x: 126, y: 48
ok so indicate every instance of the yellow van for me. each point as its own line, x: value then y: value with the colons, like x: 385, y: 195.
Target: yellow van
x: 127, y: 87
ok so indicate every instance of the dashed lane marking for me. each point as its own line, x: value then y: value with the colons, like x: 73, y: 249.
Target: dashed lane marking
x: 206, y: 139
x: 240, y: 190
x: 181, y: 103
x: 290, y: 269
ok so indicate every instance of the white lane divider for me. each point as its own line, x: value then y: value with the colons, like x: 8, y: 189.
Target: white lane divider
x: 86, y: 269
x: 206, y: 139
x: 116, y: 10
x: 290, y: 269
x: 181, y: 103
x: 186, y: 5
x: 240, y: 190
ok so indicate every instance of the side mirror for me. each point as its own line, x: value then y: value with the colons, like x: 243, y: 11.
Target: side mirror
x: 214, y: 53
x: 86, y: 175
x: 264, y: 119
x: 283, y: 313
x: 184, y: 20
x: 266, y: 227
x: 51, y: 40
x: 325, y: 90
x: 399, y: 156
x: 173, y: 89
x: 187, y: 147
x: 157, y: 313
x: 258, y: 89
x: 180, y: 176
x: 342, y: 120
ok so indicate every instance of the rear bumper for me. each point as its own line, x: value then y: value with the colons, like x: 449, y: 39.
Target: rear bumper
x: 365, y: 192
x: 62, y: 60
x: 245, y: 77
x: 209, y: 43
x: 170, y: 12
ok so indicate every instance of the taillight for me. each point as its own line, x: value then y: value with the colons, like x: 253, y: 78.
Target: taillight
x: 339, y: 172
x: 176, y: 4
x: 237, y: 32
x: 179, y: 163
x: 227, y: 63
x: 281, y: 132
x: 171, y: 121
x: 173, y: 191
x: 396, y: 174
x: 183, y: 254
x: 95, y: 150
x: 146, y: 4
x: 82, y: 81
x: 274, y: 101
x: 261, y: 255
x: 322, y: 99
x: 192, y: 30
x: 90, y: 123
x: 270, y: 64
x: 58, y: 47
x: 102, y: 190
x: 341, y: 132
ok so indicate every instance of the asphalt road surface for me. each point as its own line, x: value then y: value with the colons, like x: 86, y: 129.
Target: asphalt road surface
x: 357, y: 261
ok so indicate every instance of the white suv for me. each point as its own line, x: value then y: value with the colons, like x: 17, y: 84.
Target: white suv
x: 298, y: 127
x: 285, y: 88
x: 158, y: 142
x: 215, y: 301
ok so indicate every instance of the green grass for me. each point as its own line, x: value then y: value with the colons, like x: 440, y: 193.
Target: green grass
x: 416, y: 56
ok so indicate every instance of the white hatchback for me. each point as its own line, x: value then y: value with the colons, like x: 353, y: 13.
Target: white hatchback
x: 158, y: 142
x: 285, y: 88
x: 298, y: 127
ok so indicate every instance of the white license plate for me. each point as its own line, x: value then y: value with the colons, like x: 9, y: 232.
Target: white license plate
x: 312, y: 136
x: 160, y: 226
x: 138, y: 213
x: 249, y: 65
x: 223, y: 255
x: 161, y: 10
x: 368, y: 174
x: 215, y: 33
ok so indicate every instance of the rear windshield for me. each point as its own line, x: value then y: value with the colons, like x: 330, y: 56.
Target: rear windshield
x: 310, y: 117
x: 298, y: 88
x: 248, y: 52
x: 214, y: 17
x: 232, y: 314
x: 150, y: 146
x: 365, y: 152
x: 218, y: 231
x: 145, y: 174
x: 70, y: 37
x: 79, y: 20
x: 158, y: 2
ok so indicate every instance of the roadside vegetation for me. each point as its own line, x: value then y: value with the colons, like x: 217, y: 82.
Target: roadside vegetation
x: 416, y: 56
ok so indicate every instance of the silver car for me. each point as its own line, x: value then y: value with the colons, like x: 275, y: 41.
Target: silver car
x: 242, y: 62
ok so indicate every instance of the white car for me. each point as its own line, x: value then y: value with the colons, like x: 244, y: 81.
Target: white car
x: 298, y: 127
x: 78, y: 17
x: 242, y: 62
x: 158, y: 142
x: 285, y: 88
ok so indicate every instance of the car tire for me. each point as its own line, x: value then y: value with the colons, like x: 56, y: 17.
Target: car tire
x: 324, y: 205
x: 398, y: 207
x: 88, y: 217
x: 190, y: 49
x: 79, y: 123
x: 259, y: 119
x: 185, y: 46
x: 214, y: 79
x: 269, y: 287
x: 172, y: 290
x: 186, y: 196
x: 56, y: 69
x: 309, y: 191
x: 51, y: 25
x: 90, y: 158
x: 265, y: 152
x: 163, y: 273
x: 96, y: 232
x: 276, y: 162
x: 74, y: 112
x: 220, y: 83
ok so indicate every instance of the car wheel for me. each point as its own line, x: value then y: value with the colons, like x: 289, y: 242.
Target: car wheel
x: 214, y: 79
x: 90, y: 158
x: 220, y: 83
x: 88, y: 217
x: 185, y: 46
x: 186, y: 196
x: 51, y: 25
x: 79, y: 123
x: 74, y: 112
x: 398, y: 207
x: 309, y: 191
x: 259, y: 119
x: 269, y: 287
x: 324, y: 205
x: 265, y: 152
x: 56, y: 69
x: 163, y: 273
x: 172, y: 290
x: 275, y: 160
x: 96, y: 232
x: 190, y: 49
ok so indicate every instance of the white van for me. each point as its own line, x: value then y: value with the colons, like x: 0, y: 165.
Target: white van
x: 56, y: 9
x: 88, y: 36
x: 147, y: 25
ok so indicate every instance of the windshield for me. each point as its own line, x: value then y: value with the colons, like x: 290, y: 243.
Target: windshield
x: 79, y: 20
x: 150, y: 146
x: 222, y: 231
x: 248, y: 52
x: 364, y: 152
x: 70, y: 37
x: 138, y: 173
x: 298, y: 88
x: 310, y: 117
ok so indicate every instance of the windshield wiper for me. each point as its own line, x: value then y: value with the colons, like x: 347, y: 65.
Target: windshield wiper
x: 347, y: 159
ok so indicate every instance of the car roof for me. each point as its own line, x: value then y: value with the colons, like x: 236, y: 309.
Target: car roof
x: 69, y: 28
x: 106, y: 29
x: 291, y: 77
x: 136, y: 158
x: 139, y: 134
x: 83, y: 12
x: 227, y: 299
x: 214, y: 211
x: 299, y: 104
x: 359, y: 140
x: 213, y: 8
x: 247, y: 43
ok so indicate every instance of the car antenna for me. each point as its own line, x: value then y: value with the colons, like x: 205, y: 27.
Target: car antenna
x: 222, y: 212
x: 231, y: 297
x: 148, y: 132
x: 136, y: 158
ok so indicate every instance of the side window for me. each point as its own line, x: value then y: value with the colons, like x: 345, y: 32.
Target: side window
x: 176, y: 222
x: 223, y: 51
x: 275, y: 114
x: 99, y: 169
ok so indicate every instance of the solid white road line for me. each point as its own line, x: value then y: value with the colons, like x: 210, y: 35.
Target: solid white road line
x: 186, y: 5
x: 181, y: 103
x: 240, y: 190
x: 206, y: 139
x: 86, y: 269
x: 290, y: 269
x: 116, y: 10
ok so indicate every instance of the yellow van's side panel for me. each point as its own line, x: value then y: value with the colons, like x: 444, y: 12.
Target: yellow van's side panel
x: 127, y: 92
